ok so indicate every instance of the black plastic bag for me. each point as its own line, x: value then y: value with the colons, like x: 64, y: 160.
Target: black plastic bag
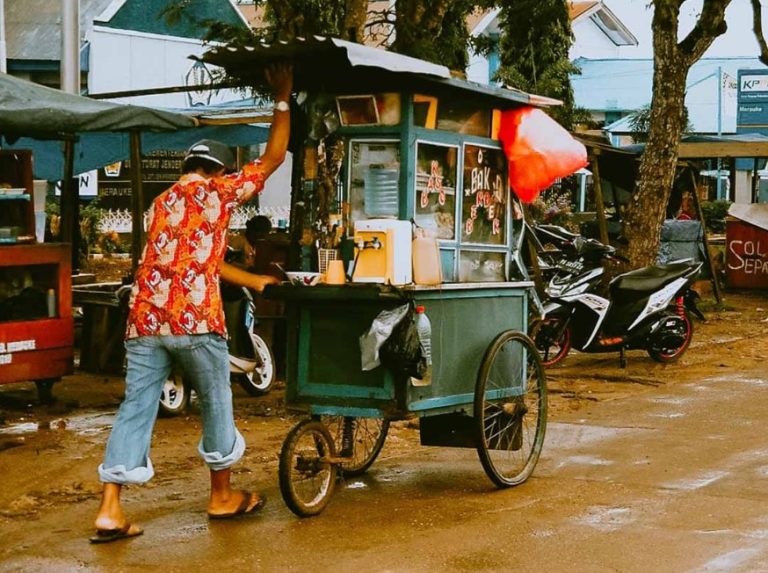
x: 401, y: 352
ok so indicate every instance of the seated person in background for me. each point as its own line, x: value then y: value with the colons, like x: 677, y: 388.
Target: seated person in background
x: 687, y: 210
x: 256, y: 228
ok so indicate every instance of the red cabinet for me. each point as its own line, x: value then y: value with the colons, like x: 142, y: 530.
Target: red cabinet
x: 36, y: 326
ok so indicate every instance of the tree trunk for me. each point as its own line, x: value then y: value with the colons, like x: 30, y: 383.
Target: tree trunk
x: 645, y: 213
x: 355, y: 16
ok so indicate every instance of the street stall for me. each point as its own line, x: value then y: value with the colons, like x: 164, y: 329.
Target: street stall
x: 746, y: 240
x: 36, y: 323
x: 391, y: 144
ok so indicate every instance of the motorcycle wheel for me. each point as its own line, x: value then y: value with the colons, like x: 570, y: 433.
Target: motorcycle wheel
x: 261, y: 380
x: 175, y: 396
x: 667, y: 355
x: 551, y: 347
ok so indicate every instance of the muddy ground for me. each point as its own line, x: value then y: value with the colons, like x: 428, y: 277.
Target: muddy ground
x: 48, y: 454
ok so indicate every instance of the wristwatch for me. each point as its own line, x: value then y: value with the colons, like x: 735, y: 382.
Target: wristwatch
x: 282, y: 106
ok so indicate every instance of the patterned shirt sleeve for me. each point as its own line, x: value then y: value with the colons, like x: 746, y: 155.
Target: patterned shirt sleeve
x: 242, y: 186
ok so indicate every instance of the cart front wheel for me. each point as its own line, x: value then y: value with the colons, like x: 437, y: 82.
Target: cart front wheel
x: 510, y: 409
x: 360, y: 439
x: 307, y: 474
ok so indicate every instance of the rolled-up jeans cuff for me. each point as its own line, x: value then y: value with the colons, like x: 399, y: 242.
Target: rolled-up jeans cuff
x: 216, y: 461
x: 119, y: 474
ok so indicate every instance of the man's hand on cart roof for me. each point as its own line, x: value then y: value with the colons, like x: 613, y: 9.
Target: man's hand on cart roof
x: 280, y: 79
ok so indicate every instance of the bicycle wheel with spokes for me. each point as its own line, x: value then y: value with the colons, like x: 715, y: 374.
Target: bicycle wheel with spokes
x: 510, y: 409
x: 365, y: 439
x: 307, y: 474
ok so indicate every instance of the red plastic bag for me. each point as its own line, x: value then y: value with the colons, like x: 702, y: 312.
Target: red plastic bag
x: 539, y: 151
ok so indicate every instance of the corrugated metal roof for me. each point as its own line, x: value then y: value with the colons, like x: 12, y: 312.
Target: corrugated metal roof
x: 335, y: 65
x: 33, y: 27
x: 145, y: 16
x: 576, y: 9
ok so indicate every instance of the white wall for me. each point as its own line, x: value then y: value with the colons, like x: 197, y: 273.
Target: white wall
x: 123, y: 60
x: 590, y: 42
x: 478, y: 69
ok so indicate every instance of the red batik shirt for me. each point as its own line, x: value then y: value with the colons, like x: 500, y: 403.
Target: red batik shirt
x: 176, y: 288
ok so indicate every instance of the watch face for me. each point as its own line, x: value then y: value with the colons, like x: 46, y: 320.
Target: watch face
x: 282, y: 106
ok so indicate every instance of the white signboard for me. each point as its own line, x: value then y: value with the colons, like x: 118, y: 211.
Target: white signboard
x: 754, y: 83
x: 87, y: 182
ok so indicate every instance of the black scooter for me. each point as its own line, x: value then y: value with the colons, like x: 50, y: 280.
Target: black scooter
x: 649, y: 309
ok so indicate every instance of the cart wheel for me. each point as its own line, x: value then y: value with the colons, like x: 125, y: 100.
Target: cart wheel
x: 366, y: 438
x: 510, y: 409
x: 306, y: 476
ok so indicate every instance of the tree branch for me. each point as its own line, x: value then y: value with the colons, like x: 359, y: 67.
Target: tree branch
x: 757, y: 28
x: 710, y: 25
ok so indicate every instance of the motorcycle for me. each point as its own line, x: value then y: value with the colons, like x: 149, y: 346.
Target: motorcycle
x: 648, y: 308
x: 251, y: 362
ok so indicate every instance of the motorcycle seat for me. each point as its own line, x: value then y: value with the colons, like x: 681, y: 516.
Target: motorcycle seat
x: 649, y: 278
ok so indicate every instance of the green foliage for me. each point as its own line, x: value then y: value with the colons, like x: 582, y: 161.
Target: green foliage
x: 533, y: 51
x: 715, y: 213
x: 640, y: 123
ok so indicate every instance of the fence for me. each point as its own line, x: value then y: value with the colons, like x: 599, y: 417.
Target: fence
x: 121, y: 221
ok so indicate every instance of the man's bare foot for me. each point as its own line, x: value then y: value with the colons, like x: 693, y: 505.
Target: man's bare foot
x: 236, y: 503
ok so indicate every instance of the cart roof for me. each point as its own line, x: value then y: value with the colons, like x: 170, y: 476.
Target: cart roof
x: 338, y: 66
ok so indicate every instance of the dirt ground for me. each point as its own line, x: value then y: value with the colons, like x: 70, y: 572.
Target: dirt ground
x: 48, y: 454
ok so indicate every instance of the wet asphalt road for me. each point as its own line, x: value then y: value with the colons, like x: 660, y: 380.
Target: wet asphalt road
x: 673, y: 479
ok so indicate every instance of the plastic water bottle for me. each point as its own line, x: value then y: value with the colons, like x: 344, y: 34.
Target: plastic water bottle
x: 424, y: 328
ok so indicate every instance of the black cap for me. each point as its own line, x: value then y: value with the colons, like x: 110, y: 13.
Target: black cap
x: 212, y: 150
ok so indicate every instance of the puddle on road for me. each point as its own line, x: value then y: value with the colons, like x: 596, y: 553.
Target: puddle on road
x: 584, y: 461
x: 606, y: 518
x: 698, y: 482
x: 669, y: 415
x: 732, y: 560
x: 83, y: 424
x: 569, y: 436
x: 356, y: 485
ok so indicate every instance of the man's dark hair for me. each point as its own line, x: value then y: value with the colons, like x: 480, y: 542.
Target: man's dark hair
x: 192, y: 164
x: 258, y: 226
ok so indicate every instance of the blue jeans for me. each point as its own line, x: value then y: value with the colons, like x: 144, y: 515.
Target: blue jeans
x: 204, y: 360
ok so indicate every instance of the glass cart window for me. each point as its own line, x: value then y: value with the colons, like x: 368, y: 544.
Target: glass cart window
x: 480, y: 266
x: 465, y: 117
x: 484, y: 205
x: 436, y: 167
x: 374, y: 179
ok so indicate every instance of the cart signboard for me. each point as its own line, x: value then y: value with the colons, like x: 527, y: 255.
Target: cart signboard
x: 484, y: 208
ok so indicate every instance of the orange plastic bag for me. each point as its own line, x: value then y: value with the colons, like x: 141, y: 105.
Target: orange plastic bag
x: 539, y: 151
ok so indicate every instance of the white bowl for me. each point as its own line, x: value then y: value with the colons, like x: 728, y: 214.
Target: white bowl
x: 303, y: 278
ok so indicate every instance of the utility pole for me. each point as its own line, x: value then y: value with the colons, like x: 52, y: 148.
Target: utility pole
x: 3, y: 49
x: 70, y: 46
x: 69, y: 65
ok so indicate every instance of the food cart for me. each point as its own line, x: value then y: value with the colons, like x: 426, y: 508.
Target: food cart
x: 416, y: 145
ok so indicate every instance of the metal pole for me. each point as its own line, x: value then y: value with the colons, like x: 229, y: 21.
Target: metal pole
x: 137, y: 201
x: 70, y: 46
x: 719, y: 126
x: 705, y: 239
x: 3, y: 49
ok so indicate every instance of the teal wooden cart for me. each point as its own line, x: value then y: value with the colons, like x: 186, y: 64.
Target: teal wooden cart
x: 487, y: 391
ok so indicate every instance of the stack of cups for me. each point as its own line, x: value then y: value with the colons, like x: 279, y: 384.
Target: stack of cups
x: 39, y: 191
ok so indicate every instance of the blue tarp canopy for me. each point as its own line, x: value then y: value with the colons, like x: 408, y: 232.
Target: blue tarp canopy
x: 94, y: 150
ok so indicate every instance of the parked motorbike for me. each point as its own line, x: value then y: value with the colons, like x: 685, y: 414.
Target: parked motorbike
x: 648, y: 308
x: 251, y: 362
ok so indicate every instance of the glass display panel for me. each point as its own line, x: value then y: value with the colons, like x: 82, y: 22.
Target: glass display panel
x: 436, y: 175
x: 486, y: 195
x: 374, y: 176
x: 464, y: 117
x: 371, y: 109
x: 481, y: 266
